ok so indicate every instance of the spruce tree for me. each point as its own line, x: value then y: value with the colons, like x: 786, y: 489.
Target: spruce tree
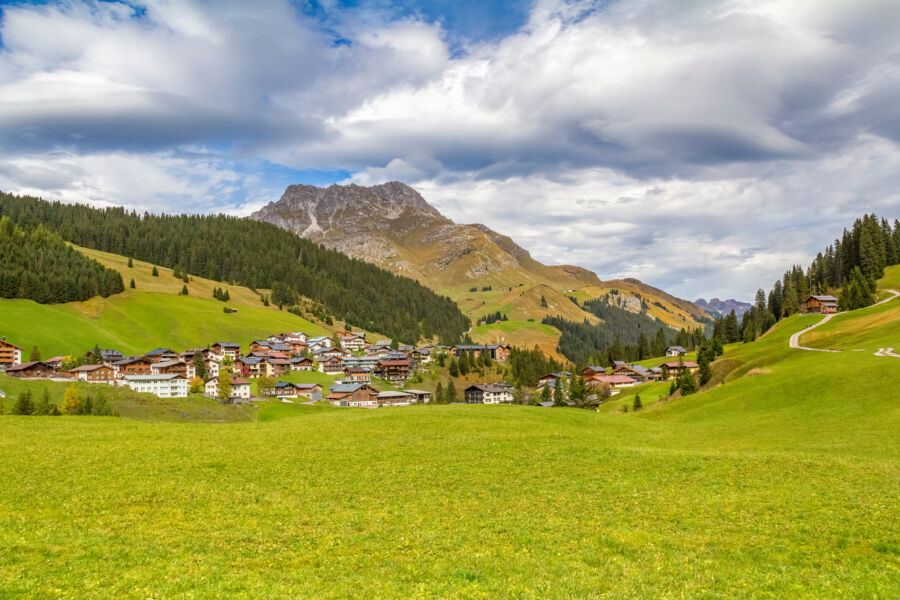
x: 35, y: 354
x: 451, y: 392
x: 637, y: 405
x: 24, y: 405
x: 454, y: 367
x: 132, y: 284
x: 155, y: 272
x: 130, y: 263
x: 439, y: 393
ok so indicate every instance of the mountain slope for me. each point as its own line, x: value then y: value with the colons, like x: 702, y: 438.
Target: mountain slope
x: 392, y: 226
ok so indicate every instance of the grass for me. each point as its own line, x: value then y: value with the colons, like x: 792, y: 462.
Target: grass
x: 782, y: 481
x: 135, y: 322
x: 527, y: 334
x: 130, y: 404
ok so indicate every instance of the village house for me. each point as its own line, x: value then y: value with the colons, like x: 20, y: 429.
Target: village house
x: 10, y: 354
x: 221, y: 350
x: 250, y: 366
x: 162, y: 355
x: 93, y: 373
x: 320, y: 340
x: 554, y: 377
x: 420, y: 356
x: 419, y: 396
x: 390, y: 398
x: 331, y: 366
x: 31, y: 370
x: 303, y: 363
x: 353, y: 395
x: 613, y: 381
x: 821, y: 305
x: 240, y: 389
x: 675, y: 351
x: 393, y: 370
x: 310, y: 391
x: 296, y: 346
x: 355, y: 374
x: 353, y: 342
x: 366, y: 362
x: 280, y: 366
x: 294, y: 336
x: 55, y: 362
x: 135, y: 365
x: 107, y: 357
x: 171, y: 366
x: 258, y: 345
x: 593, y: 370
x: 171, y: 385
x: 497, y: 352
x: 637, y: 372
x: 674, y: 366
x: 489, y: 393
x: 285, y: 390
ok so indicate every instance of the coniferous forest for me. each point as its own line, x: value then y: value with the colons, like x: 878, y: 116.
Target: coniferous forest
x: 253, y: 254
x: 38, y: 265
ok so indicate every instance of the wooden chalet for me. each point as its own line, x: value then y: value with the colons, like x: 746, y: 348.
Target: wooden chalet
x: 303, y: 363
x: 353, y: 395
x: 332, y: 365
x: 169, y: 367
x: 136, y: 365
x: 162, y: 355
x: 354, y: 374
x: 93, y: 373
x: 393, y: 370
x: 31, y: 370
x: 593, y: 370
x: 823, y: 305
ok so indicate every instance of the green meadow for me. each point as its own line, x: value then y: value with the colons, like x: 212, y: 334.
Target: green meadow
x: 781, y: 481
x: 135, y: 322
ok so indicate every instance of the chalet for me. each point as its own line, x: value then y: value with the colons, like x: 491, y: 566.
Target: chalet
x: 420, y: 396
x: 821, y: 304
x: 226, y: 349
x: 331, y: 366
x: 310, y: 391
x: 276, y: 338
x: 55, y: 362
x: 280, y: 366
x: 280, y: 347
x: 554, y: 377
x: 354, y: 395
x: 296, y: 346
x: 321, y: 340
x: 489, y: 393
x: 162, y: 355
x: 497, y: 352
x: 355, y: 374
x: 394, y: 399
x: 380, y: 346
x: 301, y: 364
x: 170, y: 366
x: 188, y: 355
x: 93, y: 373
x: 675, y: 351
x: 637, y: 372
x: 240, y: 389
x: 353, y: 342
x: 171, y: 385
x: 107, y: 357
x: 394, y: 370
x: 295, y: 336
x: 258, y: 345
x: 593, y: 370
x: 366, y: 362
x: 10, y: 354
x: 31, y: 370
x: 405, y: 348
x: 420, y: 355
x: 613, y: 381
x: 330, y: 352
x: 134, y: 365
x: 248, y: 366
x: 674, y: 366
x: 285, y: 390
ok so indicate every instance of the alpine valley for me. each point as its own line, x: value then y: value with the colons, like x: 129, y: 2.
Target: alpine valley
x: 483, y: 271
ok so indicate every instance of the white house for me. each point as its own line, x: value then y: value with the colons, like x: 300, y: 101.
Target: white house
x: 170, y: 385
x: 240, y: 389
x: 675, y: 351
x: 489, y: 393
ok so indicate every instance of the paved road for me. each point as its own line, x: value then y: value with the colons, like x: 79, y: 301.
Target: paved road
x: 795, y: 339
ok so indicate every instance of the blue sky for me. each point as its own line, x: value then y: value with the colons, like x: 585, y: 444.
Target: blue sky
x: 680, y: 143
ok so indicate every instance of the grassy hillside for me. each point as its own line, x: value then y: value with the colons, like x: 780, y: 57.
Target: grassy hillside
x: 146, y: 317
x: 781, y: 482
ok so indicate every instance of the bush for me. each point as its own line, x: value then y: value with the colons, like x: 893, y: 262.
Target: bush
x: 24, y: 405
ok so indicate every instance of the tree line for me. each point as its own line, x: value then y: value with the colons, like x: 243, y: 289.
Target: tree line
x: 257, y: 255
x: 38, y: 265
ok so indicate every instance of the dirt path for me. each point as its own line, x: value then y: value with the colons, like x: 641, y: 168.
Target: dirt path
x: 795, y: 339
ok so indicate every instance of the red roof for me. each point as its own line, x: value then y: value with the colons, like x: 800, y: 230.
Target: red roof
x: 22, y: 366
x: 87, y: 368
x: 239, y: 381
x: 688, y: 363
x: 613, y: 379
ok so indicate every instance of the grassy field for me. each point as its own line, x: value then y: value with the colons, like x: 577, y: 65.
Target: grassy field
x: 782, y: 481
x: 527, y: 334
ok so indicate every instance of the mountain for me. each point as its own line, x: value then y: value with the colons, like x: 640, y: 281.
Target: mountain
x: 723, y: 307
x: 394, y: 227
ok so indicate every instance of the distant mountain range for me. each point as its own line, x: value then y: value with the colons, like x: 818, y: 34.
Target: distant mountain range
x: 392, y: 226
x: 723, y: 307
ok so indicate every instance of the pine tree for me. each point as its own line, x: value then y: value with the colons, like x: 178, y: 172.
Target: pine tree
x: 155, y: 272
x: 42, y: 406
x: 130, y: 263
x: 451, y: 392
x: 637, y: 405
x: 184, y: 290
x: 439, y: 393
x: 132, y: 284
x: 199, y: 365
x: 35, y: 354
x: 24, y: 405
x: 463, y: 364
x: 454, y: 367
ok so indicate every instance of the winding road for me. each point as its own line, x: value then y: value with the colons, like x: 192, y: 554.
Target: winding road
x: 795, y: 339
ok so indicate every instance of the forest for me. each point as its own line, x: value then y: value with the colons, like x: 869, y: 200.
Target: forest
x: 38, y: 265
x: 257, y: 255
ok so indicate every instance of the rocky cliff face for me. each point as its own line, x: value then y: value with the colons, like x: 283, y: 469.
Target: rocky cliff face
x: 393, y: 226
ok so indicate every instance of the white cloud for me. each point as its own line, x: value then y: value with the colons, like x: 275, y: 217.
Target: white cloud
x: 682, y: 143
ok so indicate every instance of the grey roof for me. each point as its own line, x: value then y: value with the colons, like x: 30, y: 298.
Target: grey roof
x: 278, y: 347
x: 169, y: 363
x: 111, y: 355
x: 678, y: 348
x: 227, y: 344
x: 491, y: 387
x: 346, y: 387
x: 824, y: 298
x: 390, y: 394
x: 158, y: 351
x: 250, y: 360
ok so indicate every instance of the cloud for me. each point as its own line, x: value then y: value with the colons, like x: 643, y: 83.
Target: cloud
x: 683, y: 143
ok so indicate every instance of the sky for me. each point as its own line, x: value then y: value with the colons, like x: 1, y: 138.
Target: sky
x: 700, y: 146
